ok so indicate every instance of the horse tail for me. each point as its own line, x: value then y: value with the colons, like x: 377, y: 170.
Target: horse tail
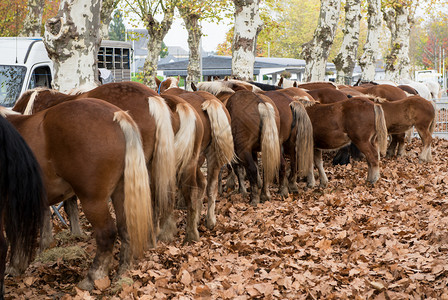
x: 304, y: 146
x: 381, y: 129
x: 22, y: 194
x: 163, y: 166
x: 137, y: 192
x: 222, y: 139
x: 185, y: 138
x: 270, y: 144
x: 432, y: 126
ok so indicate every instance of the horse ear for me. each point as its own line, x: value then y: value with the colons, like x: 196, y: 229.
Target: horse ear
x: 280, y: 82
x: 158, y: 82
x: 193, y: 87
x: 294, y: 84
x: 226, y: 78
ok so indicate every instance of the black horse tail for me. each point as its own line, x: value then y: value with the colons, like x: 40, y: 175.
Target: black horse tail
x: 22, y: 194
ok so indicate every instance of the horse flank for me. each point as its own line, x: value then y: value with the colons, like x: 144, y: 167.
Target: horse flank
x: 381, y: 129
x: 185, y: 138
x: 163, y: 165
x: 270, y: 145
x: 138, y: 207
x: 221, y: 132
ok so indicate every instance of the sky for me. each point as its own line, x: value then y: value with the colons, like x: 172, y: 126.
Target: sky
x: 214, y: 35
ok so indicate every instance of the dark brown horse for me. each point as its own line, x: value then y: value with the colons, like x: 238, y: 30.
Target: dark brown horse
x: 152, y: 116
x: 93, y: 149
x: 255, y: 128
x: 385, y: 91
x: 355, y: 120
x: 317, y: 85
x: 296, y: 138
x: 22, y: 199
x: 217, y: 144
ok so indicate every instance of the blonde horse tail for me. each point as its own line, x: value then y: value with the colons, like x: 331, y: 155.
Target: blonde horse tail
x: 381, y: 129
x: 432, y: 126
x: 270, y: 144
x: 185, y: 138
x: 304, y: 146
x: 222, y: 139
x: 163, y: 166
x: 137, y: 192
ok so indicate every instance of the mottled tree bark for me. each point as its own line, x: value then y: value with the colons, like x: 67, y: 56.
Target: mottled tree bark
x: 346, y: 59
x: 194, y: 38
x: 157, y: 32
x: 72, y: 41
x: 371, y: 47
x: 247, y: 26
x: 316, y: 51
x: 32, y: 26
x: 107, y: 8
x: 397, y: 61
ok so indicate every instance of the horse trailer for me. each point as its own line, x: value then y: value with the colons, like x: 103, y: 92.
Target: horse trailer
x: 24, y: 64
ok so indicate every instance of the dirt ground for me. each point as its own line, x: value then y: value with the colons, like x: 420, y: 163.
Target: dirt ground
x: 349, y: 240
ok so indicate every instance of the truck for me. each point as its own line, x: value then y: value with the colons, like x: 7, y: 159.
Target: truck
x: 24, y: 64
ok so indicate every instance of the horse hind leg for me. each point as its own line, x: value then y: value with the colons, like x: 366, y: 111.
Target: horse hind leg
x: 213, y: 170
x: 372, y: 157
x: 97, y: 213
x: 426, y: 137
x: 320, y: 167
x: 252, y: 174
x: 283, y: 180
x: 71, y: 208
x: 191, y: 194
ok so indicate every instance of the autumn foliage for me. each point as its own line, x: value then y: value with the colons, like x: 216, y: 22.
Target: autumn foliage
x: 349, y: 240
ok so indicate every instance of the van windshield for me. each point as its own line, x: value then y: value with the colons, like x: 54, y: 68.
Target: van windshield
x: 11, y: 81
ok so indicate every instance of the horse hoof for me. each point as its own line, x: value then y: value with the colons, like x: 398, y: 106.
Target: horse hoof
x: 13, y: 271
x: 284, y: 192
x: 86, y: 284
x: 293, y: 189
x: 265, y: 198
x: 191, y: 237
x: 211, y: 223
x: 255, y: 201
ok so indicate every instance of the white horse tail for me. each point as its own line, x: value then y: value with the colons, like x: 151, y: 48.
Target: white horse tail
x: 304, y: 146
x: 222, y: 139
x: 381, y: 129
x: 137, y: 193
x: 185, y: 138
x: 163, y: 166
x: 270, y: 144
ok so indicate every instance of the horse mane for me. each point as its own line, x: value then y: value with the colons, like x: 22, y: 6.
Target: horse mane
x: 265, y: 87
x: 375, y: 98
x: 83, y: 88
x: 306, y: 102
x: 255, y: 88
x: 214, y: 87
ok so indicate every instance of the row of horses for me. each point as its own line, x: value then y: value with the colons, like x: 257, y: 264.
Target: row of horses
x: 136, y: 146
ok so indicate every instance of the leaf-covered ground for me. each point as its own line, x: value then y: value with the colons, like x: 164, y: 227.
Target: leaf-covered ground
x: 349, y: 240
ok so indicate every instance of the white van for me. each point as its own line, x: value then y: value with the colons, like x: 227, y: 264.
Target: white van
x: 24, y: 64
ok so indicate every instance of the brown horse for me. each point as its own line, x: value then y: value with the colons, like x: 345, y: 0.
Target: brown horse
x: 189, y: 135
x: 385, y: 91
x: 217, y: 144
x: 93, y: 149
x: 296, y: 138
x: 317, y: 85
x: 152, y: 116
x: 355, y: 120
x: 327, y: 95
x: 255, y: 128
x: 22, y: 199
x: 401, y: 115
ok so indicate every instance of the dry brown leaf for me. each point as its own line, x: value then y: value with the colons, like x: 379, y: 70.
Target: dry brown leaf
x: 102, y: 283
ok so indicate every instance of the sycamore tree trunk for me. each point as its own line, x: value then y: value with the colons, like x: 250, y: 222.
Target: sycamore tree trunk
x: 32, y: 25
x: 372, y: 46
x: 316, y: 51
x: 397, y: 61
x: 107, y: 8
x: 157, y: 32
x: 194, y: 39
x: 346, y: 59
x: 72, y: 42
x: 247, y: 26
